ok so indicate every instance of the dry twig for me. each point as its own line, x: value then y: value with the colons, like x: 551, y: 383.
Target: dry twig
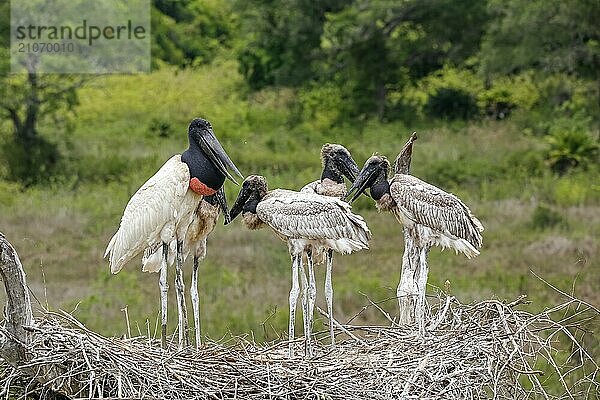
x: 484, y: 350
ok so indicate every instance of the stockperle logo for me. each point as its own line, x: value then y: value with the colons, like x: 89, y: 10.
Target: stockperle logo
x: 77, y: 36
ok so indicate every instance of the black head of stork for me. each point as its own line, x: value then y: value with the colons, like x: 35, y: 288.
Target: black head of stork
x: 251, y: 193
x: 373, y: 176
x: 207, y: 160
x: 402, y: 161
x: 337, y: 163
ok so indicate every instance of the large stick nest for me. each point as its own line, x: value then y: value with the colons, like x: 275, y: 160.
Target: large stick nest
x: 485, y: 350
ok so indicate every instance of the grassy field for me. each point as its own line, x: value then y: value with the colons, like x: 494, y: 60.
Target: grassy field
x: 533, y: 219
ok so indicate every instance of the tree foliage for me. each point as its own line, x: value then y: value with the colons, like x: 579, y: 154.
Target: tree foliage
x: 280, y: 40
x: 348, y: 61
x: 367, y: 47
x: 548, y: 36
x: 184, y: 33
x: 24, y: 100
x: 555, y: 35
x: 187, y: 32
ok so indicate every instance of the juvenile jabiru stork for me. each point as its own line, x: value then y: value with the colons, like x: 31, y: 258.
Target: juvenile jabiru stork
x: 430, y: 217
x: 308, y: 219
x: 161, y: 211
x: 337, y: 162
x: 203, y: 223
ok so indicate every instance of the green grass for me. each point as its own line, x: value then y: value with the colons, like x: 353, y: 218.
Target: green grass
x: 60, y: 230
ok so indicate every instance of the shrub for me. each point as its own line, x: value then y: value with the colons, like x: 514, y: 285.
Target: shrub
x: 447, y: 93
x: 30, y: 161
x: 568, y: 95
x: 451, y: 103
x: 507, y: 94
x: 570, y: 148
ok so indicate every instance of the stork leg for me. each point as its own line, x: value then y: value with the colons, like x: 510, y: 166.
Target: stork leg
x: 164, y: 290
x: 312, y: 295
x: 329, y: 293
x: 295, y: 290
x: 180, y: 291
x: 196, y: 303
x: 421, y: 282
x: 304, y: 300
x: 407, y: 291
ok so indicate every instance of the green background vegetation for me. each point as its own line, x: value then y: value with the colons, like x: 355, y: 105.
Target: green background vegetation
x: 504, y: 96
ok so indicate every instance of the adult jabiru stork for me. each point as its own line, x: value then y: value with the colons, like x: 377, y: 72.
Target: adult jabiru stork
x: 430, y: 217
x: 337, y: 162
x: 307, y: 219
x: 161, y: 211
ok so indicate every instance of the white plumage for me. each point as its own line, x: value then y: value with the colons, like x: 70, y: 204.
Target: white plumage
x: 446, y: 220
x: 155, y: 214
x: 159, y: 213
x: 153, y: 256
x: 311, y: 187
x: 431, y: 217
x: 202, y: 223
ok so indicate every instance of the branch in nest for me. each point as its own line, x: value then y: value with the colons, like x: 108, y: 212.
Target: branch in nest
x: 470, y: 351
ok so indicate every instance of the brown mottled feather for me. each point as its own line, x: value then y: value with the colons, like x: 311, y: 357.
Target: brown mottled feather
x: 432, y: 207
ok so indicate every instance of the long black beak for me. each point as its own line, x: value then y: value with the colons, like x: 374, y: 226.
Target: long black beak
x: 243, y: 196
x: 350, y: 168
x: 217, y: 155
x: 364, y: 180
x: 222, y: 200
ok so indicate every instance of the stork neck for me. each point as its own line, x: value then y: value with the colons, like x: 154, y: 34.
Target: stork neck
x: 332, y: 173
x: 380, y: 188
x: 201, y: 167
x: 212, y: 200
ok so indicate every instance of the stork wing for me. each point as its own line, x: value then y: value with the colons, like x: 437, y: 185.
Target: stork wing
x: 430, y: 206
x: 201, y: 223
x: 402, y: 161
x: 311, y: 216
x: 150, y: 213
